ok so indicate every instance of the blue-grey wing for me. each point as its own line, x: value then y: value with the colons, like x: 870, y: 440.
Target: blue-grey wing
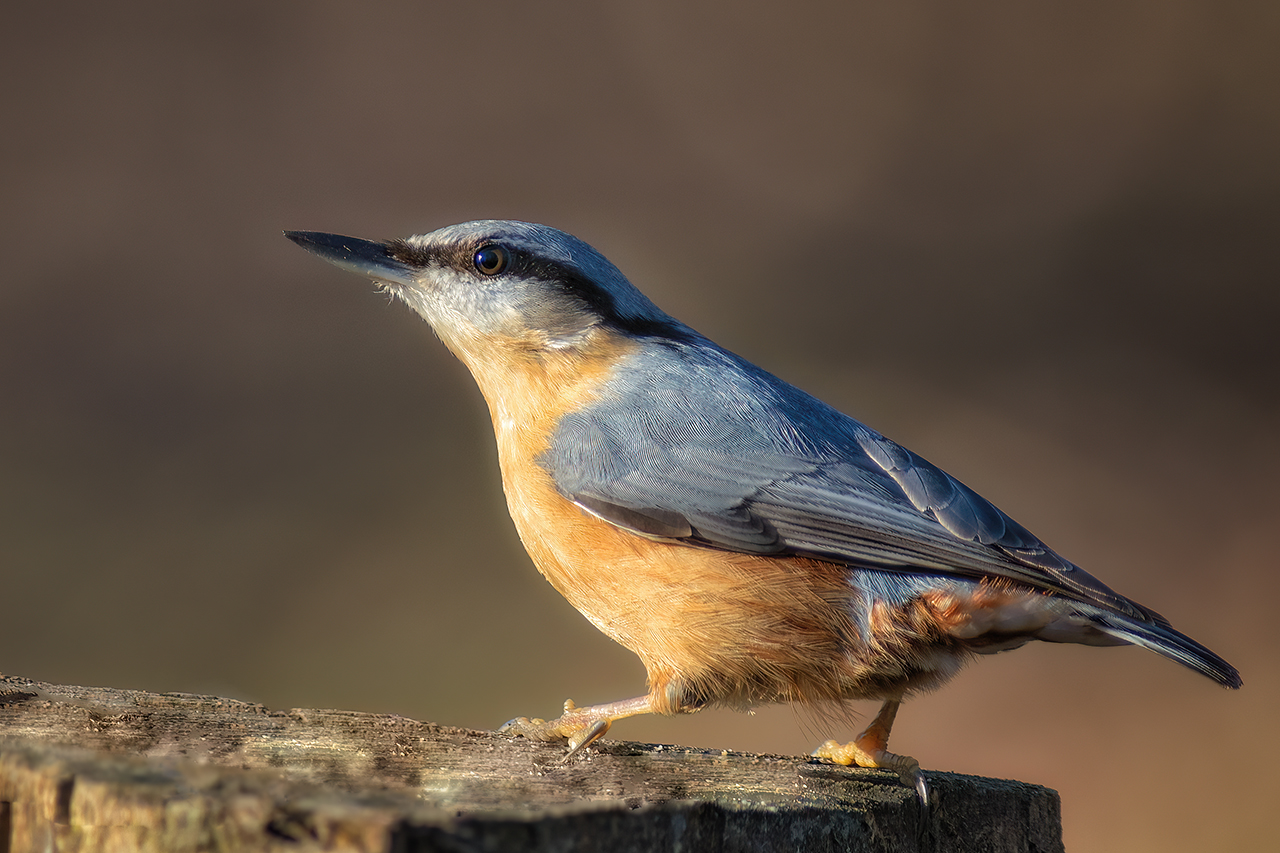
x: 698, y: 446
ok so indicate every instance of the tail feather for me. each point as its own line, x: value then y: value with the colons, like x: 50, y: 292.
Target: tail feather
x: 1164, y: 640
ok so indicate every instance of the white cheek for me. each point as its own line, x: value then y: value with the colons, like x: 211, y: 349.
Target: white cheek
x: 459, y: 307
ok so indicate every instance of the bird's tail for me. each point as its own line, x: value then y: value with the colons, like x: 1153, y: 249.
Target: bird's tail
x: 1162, y: 639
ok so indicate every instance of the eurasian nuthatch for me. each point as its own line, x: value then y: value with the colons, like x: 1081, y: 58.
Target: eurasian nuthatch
x: 749, y: 542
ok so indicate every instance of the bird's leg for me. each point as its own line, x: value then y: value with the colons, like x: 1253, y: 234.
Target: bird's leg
x: 869, y: 750
x: 580, y: 726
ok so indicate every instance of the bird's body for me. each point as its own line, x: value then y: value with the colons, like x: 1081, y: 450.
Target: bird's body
x: 750, y: 543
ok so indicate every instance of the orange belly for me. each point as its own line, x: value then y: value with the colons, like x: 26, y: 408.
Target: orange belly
x: 731, y: 628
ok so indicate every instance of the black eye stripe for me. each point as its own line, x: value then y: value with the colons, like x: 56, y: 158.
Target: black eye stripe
x: 524, y: 263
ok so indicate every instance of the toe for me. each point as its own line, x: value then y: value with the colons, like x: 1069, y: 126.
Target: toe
x: 533, y: 729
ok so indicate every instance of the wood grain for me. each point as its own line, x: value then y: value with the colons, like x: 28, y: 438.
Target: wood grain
x: 85, y: 768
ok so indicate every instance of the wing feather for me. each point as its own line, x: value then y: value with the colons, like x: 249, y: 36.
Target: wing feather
x: 691, y: 443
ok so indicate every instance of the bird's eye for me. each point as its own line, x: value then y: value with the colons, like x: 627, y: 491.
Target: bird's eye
x: 491, y: 260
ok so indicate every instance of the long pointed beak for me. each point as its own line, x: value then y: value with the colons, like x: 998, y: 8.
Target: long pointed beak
x: 362, y: 257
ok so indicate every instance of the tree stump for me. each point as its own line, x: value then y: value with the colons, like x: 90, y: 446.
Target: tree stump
x: 98, y: 769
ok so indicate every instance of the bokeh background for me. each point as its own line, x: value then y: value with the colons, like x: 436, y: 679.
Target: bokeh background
x: 1037, y: 243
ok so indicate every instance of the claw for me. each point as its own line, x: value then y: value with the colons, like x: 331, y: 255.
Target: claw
x: 583, y: 738
x: 922, y: 793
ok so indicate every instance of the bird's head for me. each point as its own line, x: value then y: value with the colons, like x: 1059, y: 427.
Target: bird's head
x: 495, y: 286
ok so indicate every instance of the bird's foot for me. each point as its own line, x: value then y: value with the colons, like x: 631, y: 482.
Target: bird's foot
x: 579, y: 726
x: 907, y: 768
x: 869, y: 749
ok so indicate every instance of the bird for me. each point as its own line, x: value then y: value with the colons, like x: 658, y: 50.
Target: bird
x: 748, y: 542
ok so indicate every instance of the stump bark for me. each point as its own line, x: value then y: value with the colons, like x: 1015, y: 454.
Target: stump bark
x: 85, y: 768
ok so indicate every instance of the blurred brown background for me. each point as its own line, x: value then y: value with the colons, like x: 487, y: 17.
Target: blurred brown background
x: 1037, y: 243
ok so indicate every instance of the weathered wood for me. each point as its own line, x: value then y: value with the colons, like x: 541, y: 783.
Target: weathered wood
x: 99, y: 769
